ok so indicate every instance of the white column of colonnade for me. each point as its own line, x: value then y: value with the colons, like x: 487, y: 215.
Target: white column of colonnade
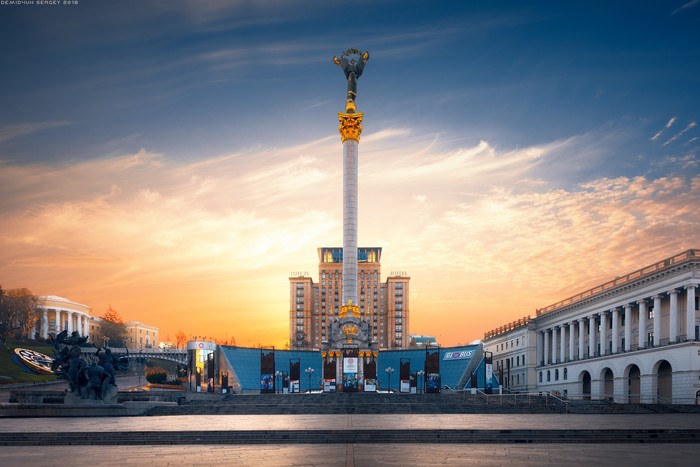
x: 562, y: 344
x: 44, y: 323
x: 690, y: 312
x: 628, y: 327
x: 673, y: 316
x: 546, y: 346
x: 657, y: 320
x: 581, y: 338
x: 615, y: 329
x: 642, y: 333
x: 603, y: 333
x: 591, y: 336
x: 555, y: 355
x: 572, y: 340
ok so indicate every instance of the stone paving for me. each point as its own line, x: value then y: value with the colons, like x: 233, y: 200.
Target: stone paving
x: 357, y: 455
x: 354, y: 422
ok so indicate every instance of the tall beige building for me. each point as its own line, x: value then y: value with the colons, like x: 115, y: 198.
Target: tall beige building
x: 384, y: 305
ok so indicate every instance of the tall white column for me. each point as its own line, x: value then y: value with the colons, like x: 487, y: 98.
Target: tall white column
x: 591, y: 336
x: 546, y: 346
x: 69, y: 322
x: 572, y: 339
x: 581, y: 338
x: 44, y: 323
x: 555, y: 352
x: 673, y: 316
x: 615, y: 312
x: 642, y: 323
x: 350, y: 162
x: 628, y: 327
x: 657, y: 320
x: 603, y: 333
x: 690, y: 312
x: 562, y: 343
x: 540, y: 347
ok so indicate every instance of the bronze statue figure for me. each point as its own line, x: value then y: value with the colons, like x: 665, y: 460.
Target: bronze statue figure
x: 352, y: 69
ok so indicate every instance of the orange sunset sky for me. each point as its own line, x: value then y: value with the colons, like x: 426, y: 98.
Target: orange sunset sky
x: 180, y: 170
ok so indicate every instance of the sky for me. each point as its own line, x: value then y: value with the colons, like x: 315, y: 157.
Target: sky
x: 178, y: 160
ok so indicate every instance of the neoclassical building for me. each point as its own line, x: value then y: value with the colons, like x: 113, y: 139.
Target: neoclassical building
x: 57, y: 314
x: 633, y: 339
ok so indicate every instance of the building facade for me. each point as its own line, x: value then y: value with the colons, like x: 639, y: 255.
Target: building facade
x: 140, y: 335
x: 313, y: 306
x: 514, y: 354
x: 57, y: 314
x: 634, y: 339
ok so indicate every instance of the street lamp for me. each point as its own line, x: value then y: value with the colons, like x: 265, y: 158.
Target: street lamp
x: 278, y: 374
x: 309, y: 371
x: 420, y: 373
x: 389, y: 370
x: 140, y: 367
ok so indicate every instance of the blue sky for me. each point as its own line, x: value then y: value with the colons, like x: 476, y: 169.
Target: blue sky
x: 482, y: 120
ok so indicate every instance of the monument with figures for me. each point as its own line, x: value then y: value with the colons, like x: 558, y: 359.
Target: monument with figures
x: 349, y: 355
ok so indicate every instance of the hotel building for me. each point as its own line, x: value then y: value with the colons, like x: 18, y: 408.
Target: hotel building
x: 634, y: 339
x: 314, y: 306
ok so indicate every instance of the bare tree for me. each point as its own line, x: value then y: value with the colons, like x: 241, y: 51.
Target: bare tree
x: 180, y: 339
x: 18, y: 312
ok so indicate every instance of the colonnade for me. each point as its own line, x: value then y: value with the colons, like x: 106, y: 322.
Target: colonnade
x: 554, y: 347
x: 68, y: 320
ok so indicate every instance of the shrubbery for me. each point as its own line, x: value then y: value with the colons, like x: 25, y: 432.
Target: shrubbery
x: 156, y: 375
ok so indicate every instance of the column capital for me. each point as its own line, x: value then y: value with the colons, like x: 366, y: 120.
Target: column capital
x: 628, y: 306
x: 673, y: 292
x: 350, y: 126
x: 656, y: 297
x: 644, y: 300
x: 690, y: 286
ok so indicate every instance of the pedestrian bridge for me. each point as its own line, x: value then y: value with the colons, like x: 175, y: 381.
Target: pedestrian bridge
x: 174, y: 355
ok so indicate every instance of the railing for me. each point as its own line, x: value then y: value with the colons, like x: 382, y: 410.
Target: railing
x: 513, y: 398
x: 688, y: 255
x: 508, y: 327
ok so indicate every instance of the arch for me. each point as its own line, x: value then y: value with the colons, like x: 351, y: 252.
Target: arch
x: 585, y: 378
x: 633, y: 379
x: 608, y: 384
x: 664, y: 382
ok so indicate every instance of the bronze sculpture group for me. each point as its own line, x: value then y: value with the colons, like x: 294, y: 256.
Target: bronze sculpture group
x: 87, y: 380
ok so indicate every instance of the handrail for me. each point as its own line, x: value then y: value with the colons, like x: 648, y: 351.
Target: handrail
x: 675, y: 260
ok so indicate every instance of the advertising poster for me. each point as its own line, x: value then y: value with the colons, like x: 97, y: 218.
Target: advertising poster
x: 350, y: 365
x: 432, y: 382
x: 488, y: 384
x: 267, y: 382
x: 329, y: 385
x: 405, y: 386
x: 370, y: 385
x: 350, y: 382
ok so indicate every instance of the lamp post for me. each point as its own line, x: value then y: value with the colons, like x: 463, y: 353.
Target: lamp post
x: 309, y: 371
x: 420, y: 373
x: 278, y: 374
x: 389, y: 370
x: 140, y: 366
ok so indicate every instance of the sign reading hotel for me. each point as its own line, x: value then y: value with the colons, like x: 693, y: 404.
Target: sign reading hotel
x: 461, y: 355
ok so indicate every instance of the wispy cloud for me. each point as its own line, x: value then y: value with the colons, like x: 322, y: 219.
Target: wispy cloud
x: 685, y: 6
x: 690, y: 126
x: 660, y: 132
x: 20, y: 130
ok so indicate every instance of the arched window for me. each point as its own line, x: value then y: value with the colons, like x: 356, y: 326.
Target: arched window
x: 540, y: 376
x: 565, y: 374
x: 549, y: 376
x: 556, y: 375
